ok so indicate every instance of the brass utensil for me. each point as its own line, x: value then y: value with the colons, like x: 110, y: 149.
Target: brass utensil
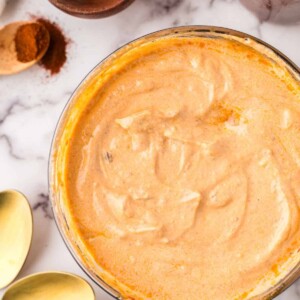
x: 9, y: 63
x: 50, y: 286
x: 15, y: 234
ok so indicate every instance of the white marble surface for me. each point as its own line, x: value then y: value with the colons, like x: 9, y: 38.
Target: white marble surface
x: 31, y: 102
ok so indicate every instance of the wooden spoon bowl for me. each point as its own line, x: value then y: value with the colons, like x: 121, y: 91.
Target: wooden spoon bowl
x: 9, y: 63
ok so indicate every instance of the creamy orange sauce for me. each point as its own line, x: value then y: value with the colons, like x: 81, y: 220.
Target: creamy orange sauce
x: 183, y: 172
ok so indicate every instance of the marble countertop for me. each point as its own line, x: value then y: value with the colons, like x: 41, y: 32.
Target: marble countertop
x: 31, y: 102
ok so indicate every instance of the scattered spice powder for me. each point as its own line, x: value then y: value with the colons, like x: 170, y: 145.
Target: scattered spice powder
x: 56, y: 55
x: 31, y: 40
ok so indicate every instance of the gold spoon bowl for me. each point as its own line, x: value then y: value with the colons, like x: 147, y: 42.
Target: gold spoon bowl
x: 50, y: 286
x: 15, y: 234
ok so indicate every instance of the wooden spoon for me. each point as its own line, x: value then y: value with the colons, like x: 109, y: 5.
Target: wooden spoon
x: 9, y: 63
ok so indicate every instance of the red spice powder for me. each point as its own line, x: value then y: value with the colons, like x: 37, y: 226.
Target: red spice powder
x: 56, y: 55
x: 31, y: 40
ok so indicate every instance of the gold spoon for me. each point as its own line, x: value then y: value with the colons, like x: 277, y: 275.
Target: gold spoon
x: 9, y: 63
x: 49, y: 286
x: 15, y: 234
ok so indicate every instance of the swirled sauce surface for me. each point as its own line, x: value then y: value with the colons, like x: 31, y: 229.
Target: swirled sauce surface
x: 183, y: 172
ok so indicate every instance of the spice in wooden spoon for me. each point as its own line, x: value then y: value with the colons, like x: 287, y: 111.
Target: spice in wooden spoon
x: 22, y: 44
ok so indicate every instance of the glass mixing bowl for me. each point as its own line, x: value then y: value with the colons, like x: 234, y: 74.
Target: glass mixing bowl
x: 71, y: 113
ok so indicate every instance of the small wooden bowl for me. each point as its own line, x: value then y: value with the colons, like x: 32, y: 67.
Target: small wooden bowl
x: 91, y: 9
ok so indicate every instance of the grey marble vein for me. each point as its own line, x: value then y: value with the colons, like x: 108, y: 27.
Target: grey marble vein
x: 166, y: 6
x: 14, y: 154
x: 11, y: 150
x: 44, y: 205
x: 258, y: 30
x: 211, y: 3
x: 17, y: 106
x: 11, y: 110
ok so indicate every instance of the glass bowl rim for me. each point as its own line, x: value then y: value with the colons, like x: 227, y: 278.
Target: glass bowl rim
x: 272, y: 292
